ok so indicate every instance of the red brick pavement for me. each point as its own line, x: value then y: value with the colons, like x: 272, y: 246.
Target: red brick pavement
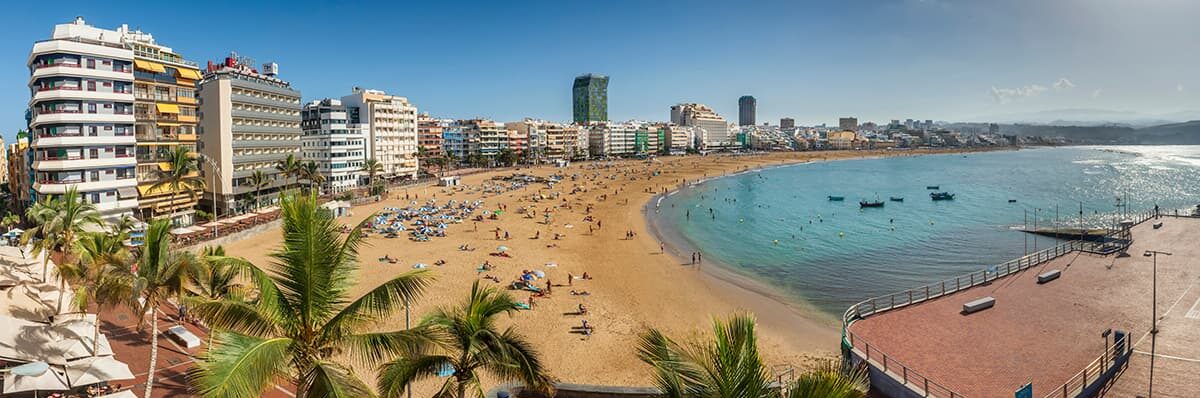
x: 1045, y: 334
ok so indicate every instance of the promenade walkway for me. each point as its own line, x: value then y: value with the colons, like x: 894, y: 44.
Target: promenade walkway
x: 1046, y: 333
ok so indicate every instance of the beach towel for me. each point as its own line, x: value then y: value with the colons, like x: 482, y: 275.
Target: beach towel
x: 521, y: 306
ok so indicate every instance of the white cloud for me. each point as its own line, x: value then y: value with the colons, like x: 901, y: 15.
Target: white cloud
x: 1096, y: 93
x: 1179, y: 87
x: 1006, y: 95
x: 1063, y: 84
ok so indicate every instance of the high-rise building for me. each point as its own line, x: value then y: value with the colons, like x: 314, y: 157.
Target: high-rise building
x: 589, y: 97
x: 81, y: 118
x: 429, y: 139
x: 390, y: 123
x: 848, y: 123
x: 337, y: 146
x: 787, y: 123
x: 711, y: 129
x: 747, y: 106
x: 165, y: 118
x: 250, y: 121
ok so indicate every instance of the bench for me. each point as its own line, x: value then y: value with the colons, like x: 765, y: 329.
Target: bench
x: 978, y: 305
x: 1158, y: 225
x: 183, y: 336
x: 1049, y: 276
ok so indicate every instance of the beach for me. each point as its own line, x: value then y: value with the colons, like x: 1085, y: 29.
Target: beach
x: 636, y: 280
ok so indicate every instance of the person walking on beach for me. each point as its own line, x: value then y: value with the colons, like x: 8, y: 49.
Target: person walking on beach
x: 661, y: 248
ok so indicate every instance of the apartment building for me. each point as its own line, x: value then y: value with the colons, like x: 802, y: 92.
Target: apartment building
x: 20, y: 182
x: 165, y: 118
x: 390, y: 123
x: 457, y: 143
x: 250, y: 121
x: 486, y: 138
x: 678, y: 139
x: 429, y: 141
x: 337, y: 146
x: 712, y: 130
x: 548, y: 141
x: 613, y: 139
x: 4, y: 161
x: 81, y: 118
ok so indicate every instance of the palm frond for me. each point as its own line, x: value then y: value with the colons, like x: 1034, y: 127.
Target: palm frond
x: 396, y: 376
x: 329, y: 380
x: 829, y: 379
x: 239, y: 366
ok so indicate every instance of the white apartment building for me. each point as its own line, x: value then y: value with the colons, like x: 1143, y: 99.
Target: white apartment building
x: 390, y: 125
x: 678, y: 139
x: 81, y: 117
x: 616, y: 139
x: 712, y: 129
x: 337, y: 146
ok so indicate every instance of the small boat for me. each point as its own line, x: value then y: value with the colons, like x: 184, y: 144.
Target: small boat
x: 895, y: 199
x: 934, y: 187
x: 1012, y: 201
x: 865, y: 204
x: 837, y: 198
x: 941, y: 196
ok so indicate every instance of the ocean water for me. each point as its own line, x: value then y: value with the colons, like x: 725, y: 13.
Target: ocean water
x: 777, y: 226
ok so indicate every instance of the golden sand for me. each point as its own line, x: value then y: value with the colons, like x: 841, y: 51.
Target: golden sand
x: 633, y: 287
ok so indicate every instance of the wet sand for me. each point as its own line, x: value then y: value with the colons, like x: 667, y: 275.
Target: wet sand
x: 636, y: 283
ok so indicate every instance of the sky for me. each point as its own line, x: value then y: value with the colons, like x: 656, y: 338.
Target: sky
x: 813, y: 61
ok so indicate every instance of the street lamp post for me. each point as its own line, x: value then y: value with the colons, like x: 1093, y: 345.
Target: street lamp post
x: 1154, y: 319
x: 216, y: 171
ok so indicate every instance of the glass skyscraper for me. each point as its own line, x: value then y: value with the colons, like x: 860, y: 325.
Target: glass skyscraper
x: 590, y: 98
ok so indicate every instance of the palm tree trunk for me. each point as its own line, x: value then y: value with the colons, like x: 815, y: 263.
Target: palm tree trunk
x: 62, y: 292
x: 153, y: 353
x: 96, y: 334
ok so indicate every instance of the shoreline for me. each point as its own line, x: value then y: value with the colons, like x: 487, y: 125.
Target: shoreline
x: 675, y: 242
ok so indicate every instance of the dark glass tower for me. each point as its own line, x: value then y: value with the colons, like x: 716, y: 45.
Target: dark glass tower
x: 746, y: 108
x: 590, y: 98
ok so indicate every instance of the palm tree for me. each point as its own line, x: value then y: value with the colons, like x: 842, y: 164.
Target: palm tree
x: 10, y: 220
x: 311, y: 172
x: 58, y: 221
x: 183, y: 175
x: 303, y: 317
x: 103, y: 260
x: 727, y: 367
x: 829, y: 379
x: 161, y: 274
x: 259, y: 180
x: 464, y: 341
x: 373, y: 168
x: 289, y: 167
x: 215, y: 280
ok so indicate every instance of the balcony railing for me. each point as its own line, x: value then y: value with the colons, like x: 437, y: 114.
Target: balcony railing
x: 77, y: 157
x: 56, y: 88
x: 69, y: 65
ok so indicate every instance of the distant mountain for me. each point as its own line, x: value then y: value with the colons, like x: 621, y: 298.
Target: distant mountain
x: 1092, y: 117
x: 1186, y: 133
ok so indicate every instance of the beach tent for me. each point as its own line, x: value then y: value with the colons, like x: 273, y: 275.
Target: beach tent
x: 48, y: 380
x: 502, y: 249
x: 94, y: 370
x: 56, y: 344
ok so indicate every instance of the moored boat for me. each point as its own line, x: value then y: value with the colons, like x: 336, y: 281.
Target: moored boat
x: 896, y: 199
x: 941, y: 196
x: 837, y: 198
x: 864, y: 204
x: 935, y: 187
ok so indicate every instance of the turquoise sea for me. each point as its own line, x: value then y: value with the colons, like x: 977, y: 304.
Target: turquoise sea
x: 777, y: 226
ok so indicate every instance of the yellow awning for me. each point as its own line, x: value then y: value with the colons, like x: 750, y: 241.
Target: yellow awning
x: 150, y: 66
x: 189, y: 74
x: 167, y: 124
x: 167, y: 108
x: 164, y: 166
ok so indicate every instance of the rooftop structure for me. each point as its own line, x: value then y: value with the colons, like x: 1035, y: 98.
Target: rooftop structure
x: 747, y: 106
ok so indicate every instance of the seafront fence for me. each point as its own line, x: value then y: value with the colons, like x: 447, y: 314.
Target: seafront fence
x: 1093, y: 376
x: 929, y: 388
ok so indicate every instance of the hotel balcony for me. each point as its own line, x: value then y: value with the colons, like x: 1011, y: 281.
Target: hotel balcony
x: 80, y: 118
x: 79, y: 163
x: 75, y: 93
x: 117, y: 206
x: 77, y: 71
x: 84, y: 140
x: 58, y: 187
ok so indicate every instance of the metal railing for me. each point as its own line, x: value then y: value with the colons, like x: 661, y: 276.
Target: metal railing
x: 1113, y: 355
x: 898, y: 371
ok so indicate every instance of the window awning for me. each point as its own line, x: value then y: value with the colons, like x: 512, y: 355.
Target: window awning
x: 189, y: 74
x: 167, y: 108
x: 127, y: 192
x: 150, y: 66
x: 167, y: 124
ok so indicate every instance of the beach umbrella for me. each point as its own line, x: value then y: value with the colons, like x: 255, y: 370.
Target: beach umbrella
x: 97, y: 370
x: 446, y: 370
x: 30, y: 369
x: 48, y: 380
x: 539, y: 273
x: 502, y: 249
x: 551, y: 265
x: 420, y: 265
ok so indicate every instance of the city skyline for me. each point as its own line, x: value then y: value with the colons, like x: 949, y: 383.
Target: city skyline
x: 878, y: 60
